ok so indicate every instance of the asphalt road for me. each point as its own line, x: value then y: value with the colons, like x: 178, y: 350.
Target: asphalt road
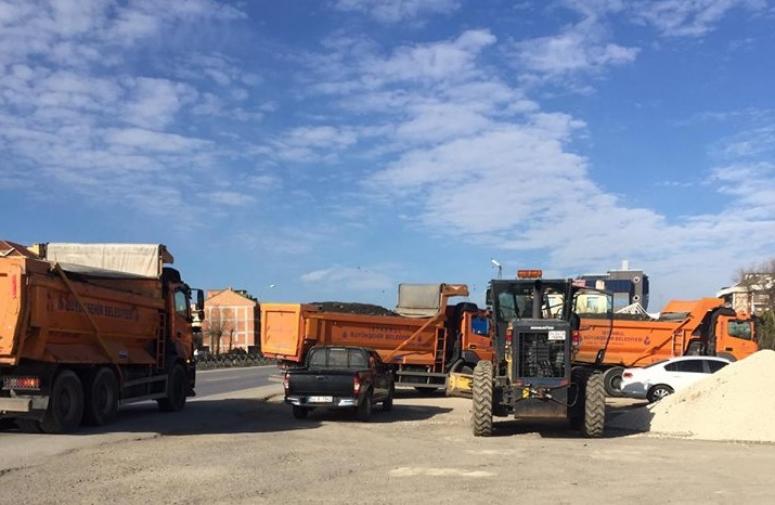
x: 225, y: 380
x: 210, y: 410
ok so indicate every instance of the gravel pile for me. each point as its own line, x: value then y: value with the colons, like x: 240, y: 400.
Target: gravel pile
x: 365, y: 309
x: 735, y: 403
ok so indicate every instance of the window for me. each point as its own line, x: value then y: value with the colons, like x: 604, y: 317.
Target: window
x: 181, y: 303
x: 715, y: 366
x: 740, y: 329
x: 689, y: 365
x: 338, y: 358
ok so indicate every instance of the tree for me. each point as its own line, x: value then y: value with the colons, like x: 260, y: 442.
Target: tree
x: 216, y: 326
x: 759, y: 281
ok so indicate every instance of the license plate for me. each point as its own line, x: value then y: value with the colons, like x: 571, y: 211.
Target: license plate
x: 556, y: 335
x: 320, y: 399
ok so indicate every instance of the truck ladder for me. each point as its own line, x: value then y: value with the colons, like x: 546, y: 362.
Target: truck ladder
x: 441, y: 351
x: 678, y: 343
x: 161, y: 341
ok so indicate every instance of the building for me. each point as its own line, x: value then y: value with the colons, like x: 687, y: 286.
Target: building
x: 232, y: 314
x: 752, y: 295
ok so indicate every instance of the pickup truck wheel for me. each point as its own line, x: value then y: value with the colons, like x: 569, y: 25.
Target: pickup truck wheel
x: 363, y: 412
x: 300, y: 412
x: 387, y: 404
x: 102, y: 398
x: 177, y: 385
x: 65, y: 405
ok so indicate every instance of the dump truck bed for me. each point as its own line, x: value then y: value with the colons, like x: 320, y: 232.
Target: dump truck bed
x: 289, y: 330
x: 49, y: 315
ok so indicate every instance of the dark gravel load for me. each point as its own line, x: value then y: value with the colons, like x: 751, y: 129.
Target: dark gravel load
x: 364, y: 309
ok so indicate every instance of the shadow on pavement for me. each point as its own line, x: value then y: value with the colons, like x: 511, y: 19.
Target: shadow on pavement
x: 231, y: 416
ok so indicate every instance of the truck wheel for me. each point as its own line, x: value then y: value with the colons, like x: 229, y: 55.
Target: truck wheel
x: 594, y: 407
x: 177, y: 388
x: 300, y: 412
x: 363, y: 412
x: 387, y: 404
x: 613, y: 381
x: 65, y: 405
x: 481, y: 418
x: 102, y: 398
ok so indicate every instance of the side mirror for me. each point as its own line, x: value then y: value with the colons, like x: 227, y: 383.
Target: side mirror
x: 200, y: 304
x: 488, y: 297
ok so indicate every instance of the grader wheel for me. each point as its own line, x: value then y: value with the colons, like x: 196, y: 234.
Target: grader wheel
x: 481, y: 418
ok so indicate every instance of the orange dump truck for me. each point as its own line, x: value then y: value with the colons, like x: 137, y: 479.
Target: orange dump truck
x: 424, y: 341
x: 700, y: 327
x: 85, y: 328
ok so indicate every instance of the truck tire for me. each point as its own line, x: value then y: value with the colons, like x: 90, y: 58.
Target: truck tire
x: 594, y: 407
x: 65, y: 405
x: 612, y: 378
x: 300, y: 412
x: 177, y: 388
x: 481, y: 417
x: 363, y: 411
x: 101, y: 398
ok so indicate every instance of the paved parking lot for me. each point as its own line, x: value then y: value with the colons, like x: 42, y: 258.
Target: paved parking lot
x: 242, y: 448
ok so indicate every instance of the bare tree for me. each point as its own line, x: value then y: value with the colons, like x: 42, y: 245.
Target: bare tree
x: 216, y: 326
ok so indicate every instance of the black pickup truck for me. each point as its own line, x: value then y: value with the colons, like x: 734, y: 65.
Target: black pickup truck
x: 340, y: 377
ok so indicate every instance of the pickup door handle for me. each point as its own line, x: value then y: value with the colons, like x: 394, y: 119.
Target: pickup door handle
x: 729, y: 348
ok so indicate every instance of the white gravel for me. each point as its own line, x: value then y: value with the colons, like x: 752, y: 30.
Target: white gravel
x: 733, y: 404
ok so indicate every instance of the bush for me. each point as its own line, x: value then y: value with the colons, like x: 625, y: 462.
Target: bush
x: 766, y: 330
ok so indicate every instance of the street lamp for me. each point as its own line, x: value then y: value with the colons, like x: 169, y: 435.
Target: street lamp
x: 496, y: 264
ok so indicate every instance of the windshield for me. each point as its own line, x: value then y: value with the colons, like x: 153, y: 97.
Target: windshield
x: 516, y: 301
x: 339, y: 358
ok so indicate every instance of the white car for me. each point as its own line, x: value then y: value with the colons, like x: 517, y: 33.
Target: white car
x: 663, y: 378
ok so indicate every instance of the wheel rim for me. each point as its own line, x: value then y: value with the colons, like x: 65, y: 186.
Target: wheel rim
x: 660, y: 393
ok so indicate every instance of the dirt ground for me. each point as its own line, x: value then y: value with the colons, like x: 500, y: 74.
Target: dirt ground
x: 252, y: 451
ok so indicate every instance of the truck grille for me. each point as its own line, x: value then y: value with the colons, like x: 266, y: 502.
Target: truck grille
x: 538, y: 356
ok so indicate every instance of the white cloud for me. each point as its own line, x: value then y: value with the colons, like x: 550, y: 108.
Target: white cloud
x: 393, y: 11
x: 749, y: 143
x: 684, y: 18
x: 149, y: 140
x: 349, y: 278
x: 155, y: 102
x: 229, y: 198
x: 579, y: 48
x: 471, y: 157
x: 111, y: 137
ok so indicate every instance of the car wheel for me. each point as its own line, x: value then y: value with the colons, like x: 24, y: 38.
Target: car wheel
x: 363, y: 412
x: 656, y: 393
x: 387, y: 404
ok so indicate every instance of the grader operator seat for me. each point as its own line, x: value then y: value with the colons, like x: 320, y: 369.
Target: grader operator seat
x: 419, y: 300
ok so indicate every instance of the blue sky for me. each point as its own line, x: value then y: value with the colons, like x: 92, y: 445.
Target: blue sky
x: 332, y: 149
